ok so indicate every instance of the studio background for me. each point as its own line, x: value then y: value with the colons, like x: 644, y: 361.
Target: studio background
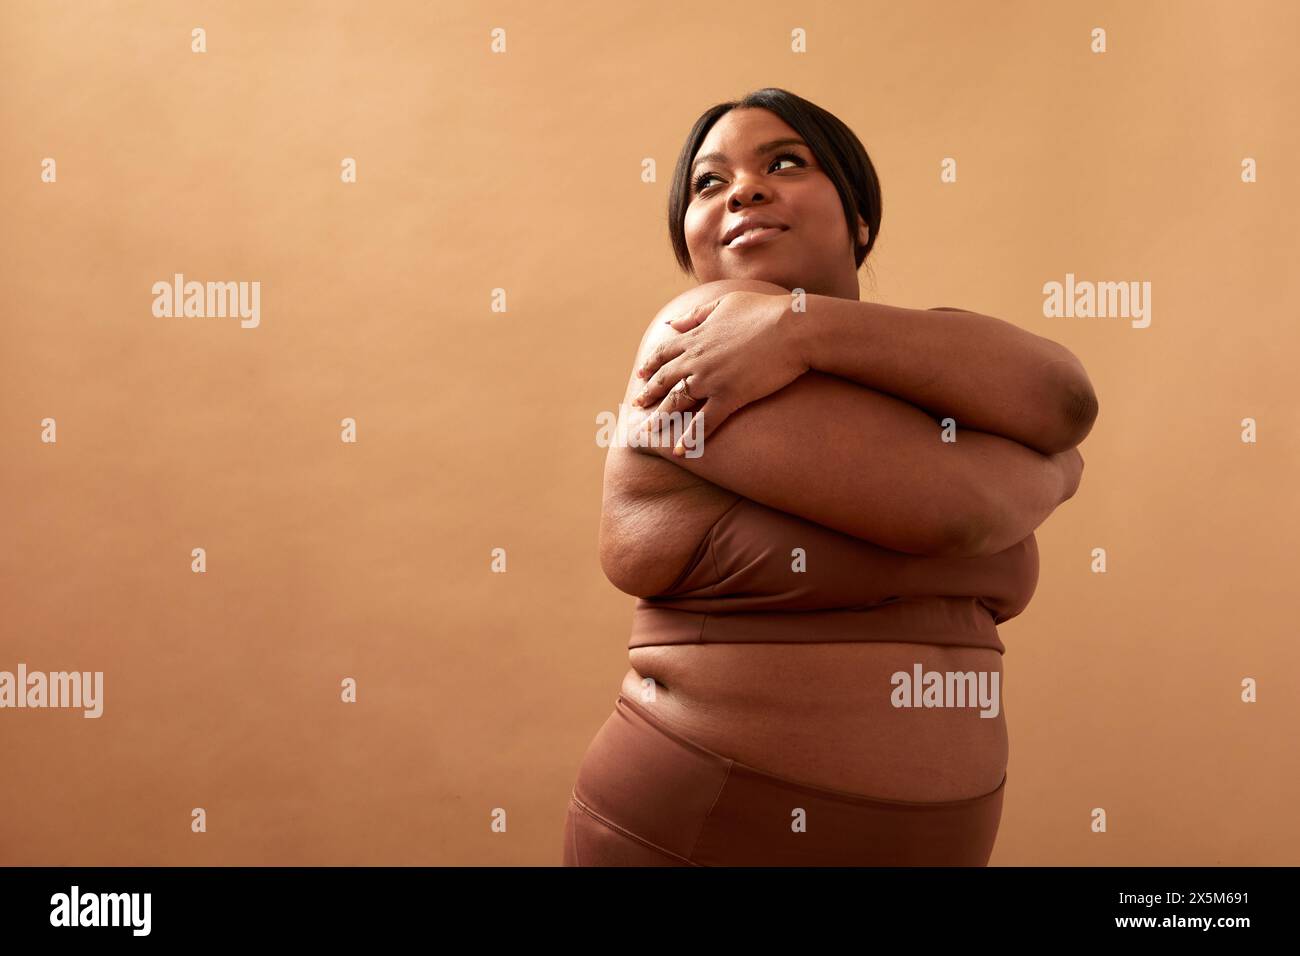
x: 477, y: 429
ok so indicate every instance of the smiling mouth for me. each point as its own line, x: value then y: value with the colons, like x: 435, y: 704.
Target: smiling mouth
x: 755, y: 236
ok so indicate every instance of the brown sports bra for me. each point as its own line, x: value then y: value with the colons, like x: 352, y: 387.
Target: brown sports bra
x: 744, y: 585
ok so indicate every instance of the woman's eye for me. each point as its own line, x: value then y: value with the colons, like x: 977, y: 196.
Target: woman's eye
x: 701, y: 180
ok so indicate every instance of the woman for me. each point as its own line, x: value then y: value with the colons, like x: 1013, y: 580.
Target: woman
x: 862, y: 521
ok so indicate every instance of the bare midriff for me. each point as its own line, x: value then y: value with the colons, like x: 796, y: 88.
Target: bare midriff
x: 821, y: 714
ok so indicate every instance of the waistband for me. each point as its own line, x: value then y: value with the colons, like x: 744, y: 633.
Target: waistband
x: 649, y: 782
x: 952, y: 621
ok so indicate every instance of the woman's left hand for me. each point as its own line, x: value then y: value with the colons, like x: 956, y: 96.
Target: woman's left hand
x: 733, y: 350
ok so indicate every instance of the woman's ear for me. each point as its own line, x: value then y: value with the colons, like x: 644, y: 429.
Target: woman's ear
x: 864, y: 232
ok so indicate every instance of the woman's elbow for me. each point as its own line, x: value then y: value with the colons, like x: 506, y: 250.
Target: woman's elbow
x: 1003, y: 515
x: 1076, y: 411
x: 1080, y: 412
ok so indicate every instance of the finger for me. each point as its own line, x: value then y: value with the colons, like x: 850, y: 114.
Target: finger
x: 657, y: 427
x: 689, y: 320
x: 648, y: 433
x: 677, y: 400
x: 658, y: 417
x: 663, y: 380
x: 668, y: 349
x: 685, y: 321
x: 652, y: 430
x: 677, y: 413
x: 705, y: 421
x: 694, y: 432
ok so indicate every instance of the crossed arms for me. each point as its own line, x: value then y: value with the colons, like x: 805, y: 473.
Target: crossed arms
x: 855, y: 443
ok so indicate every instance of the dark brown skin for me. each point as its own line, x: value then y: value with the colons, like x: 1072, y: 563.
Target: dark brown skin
x: 875, y: 469
x: 838, y: 453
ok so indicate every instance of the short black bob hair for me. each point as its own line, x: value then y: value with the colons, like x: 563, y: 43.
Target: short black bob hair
x: 838, y: 150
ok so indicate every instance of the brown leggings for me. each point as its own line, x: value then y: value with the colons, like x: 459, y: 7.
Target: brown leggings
x: 647, y: 796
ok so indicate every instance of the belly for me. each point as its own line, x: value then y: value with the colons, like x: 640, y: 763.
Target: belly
x: 825, y: 714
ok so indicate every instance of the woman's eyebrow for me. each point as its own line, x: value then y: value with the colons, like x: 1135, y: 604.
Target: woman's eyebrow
x: 759, y: 151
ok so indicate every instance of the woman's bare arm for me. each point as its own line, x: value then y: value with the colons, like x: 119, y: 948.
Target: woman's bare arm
x: 984, y: 372
x: 866, y: 463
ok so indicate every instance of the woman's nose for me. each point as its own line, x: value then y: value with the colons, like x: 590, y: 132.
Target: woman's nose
x: 746, y: 194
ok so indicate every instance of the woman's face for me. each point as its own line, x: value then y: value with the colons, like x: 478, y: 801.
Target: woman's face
x: 732, y: 181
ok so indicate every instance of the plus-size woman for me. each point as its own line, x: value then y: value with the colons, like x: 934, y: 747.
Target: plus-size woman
x: 863, y: 518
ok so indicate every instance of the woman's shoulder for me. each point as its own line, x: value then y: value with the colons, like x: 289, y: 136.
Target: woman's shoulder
x: 708, y: 291
x: 658, y: 331
x: 656, y: 514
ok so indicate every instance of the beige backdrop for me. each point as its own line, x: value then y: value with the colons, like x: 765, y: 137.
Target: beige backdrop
x: 477, y: 429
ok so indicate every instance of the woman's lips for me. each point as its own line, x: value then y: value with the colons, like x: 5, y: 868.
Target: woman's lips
x: 755, y: 238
